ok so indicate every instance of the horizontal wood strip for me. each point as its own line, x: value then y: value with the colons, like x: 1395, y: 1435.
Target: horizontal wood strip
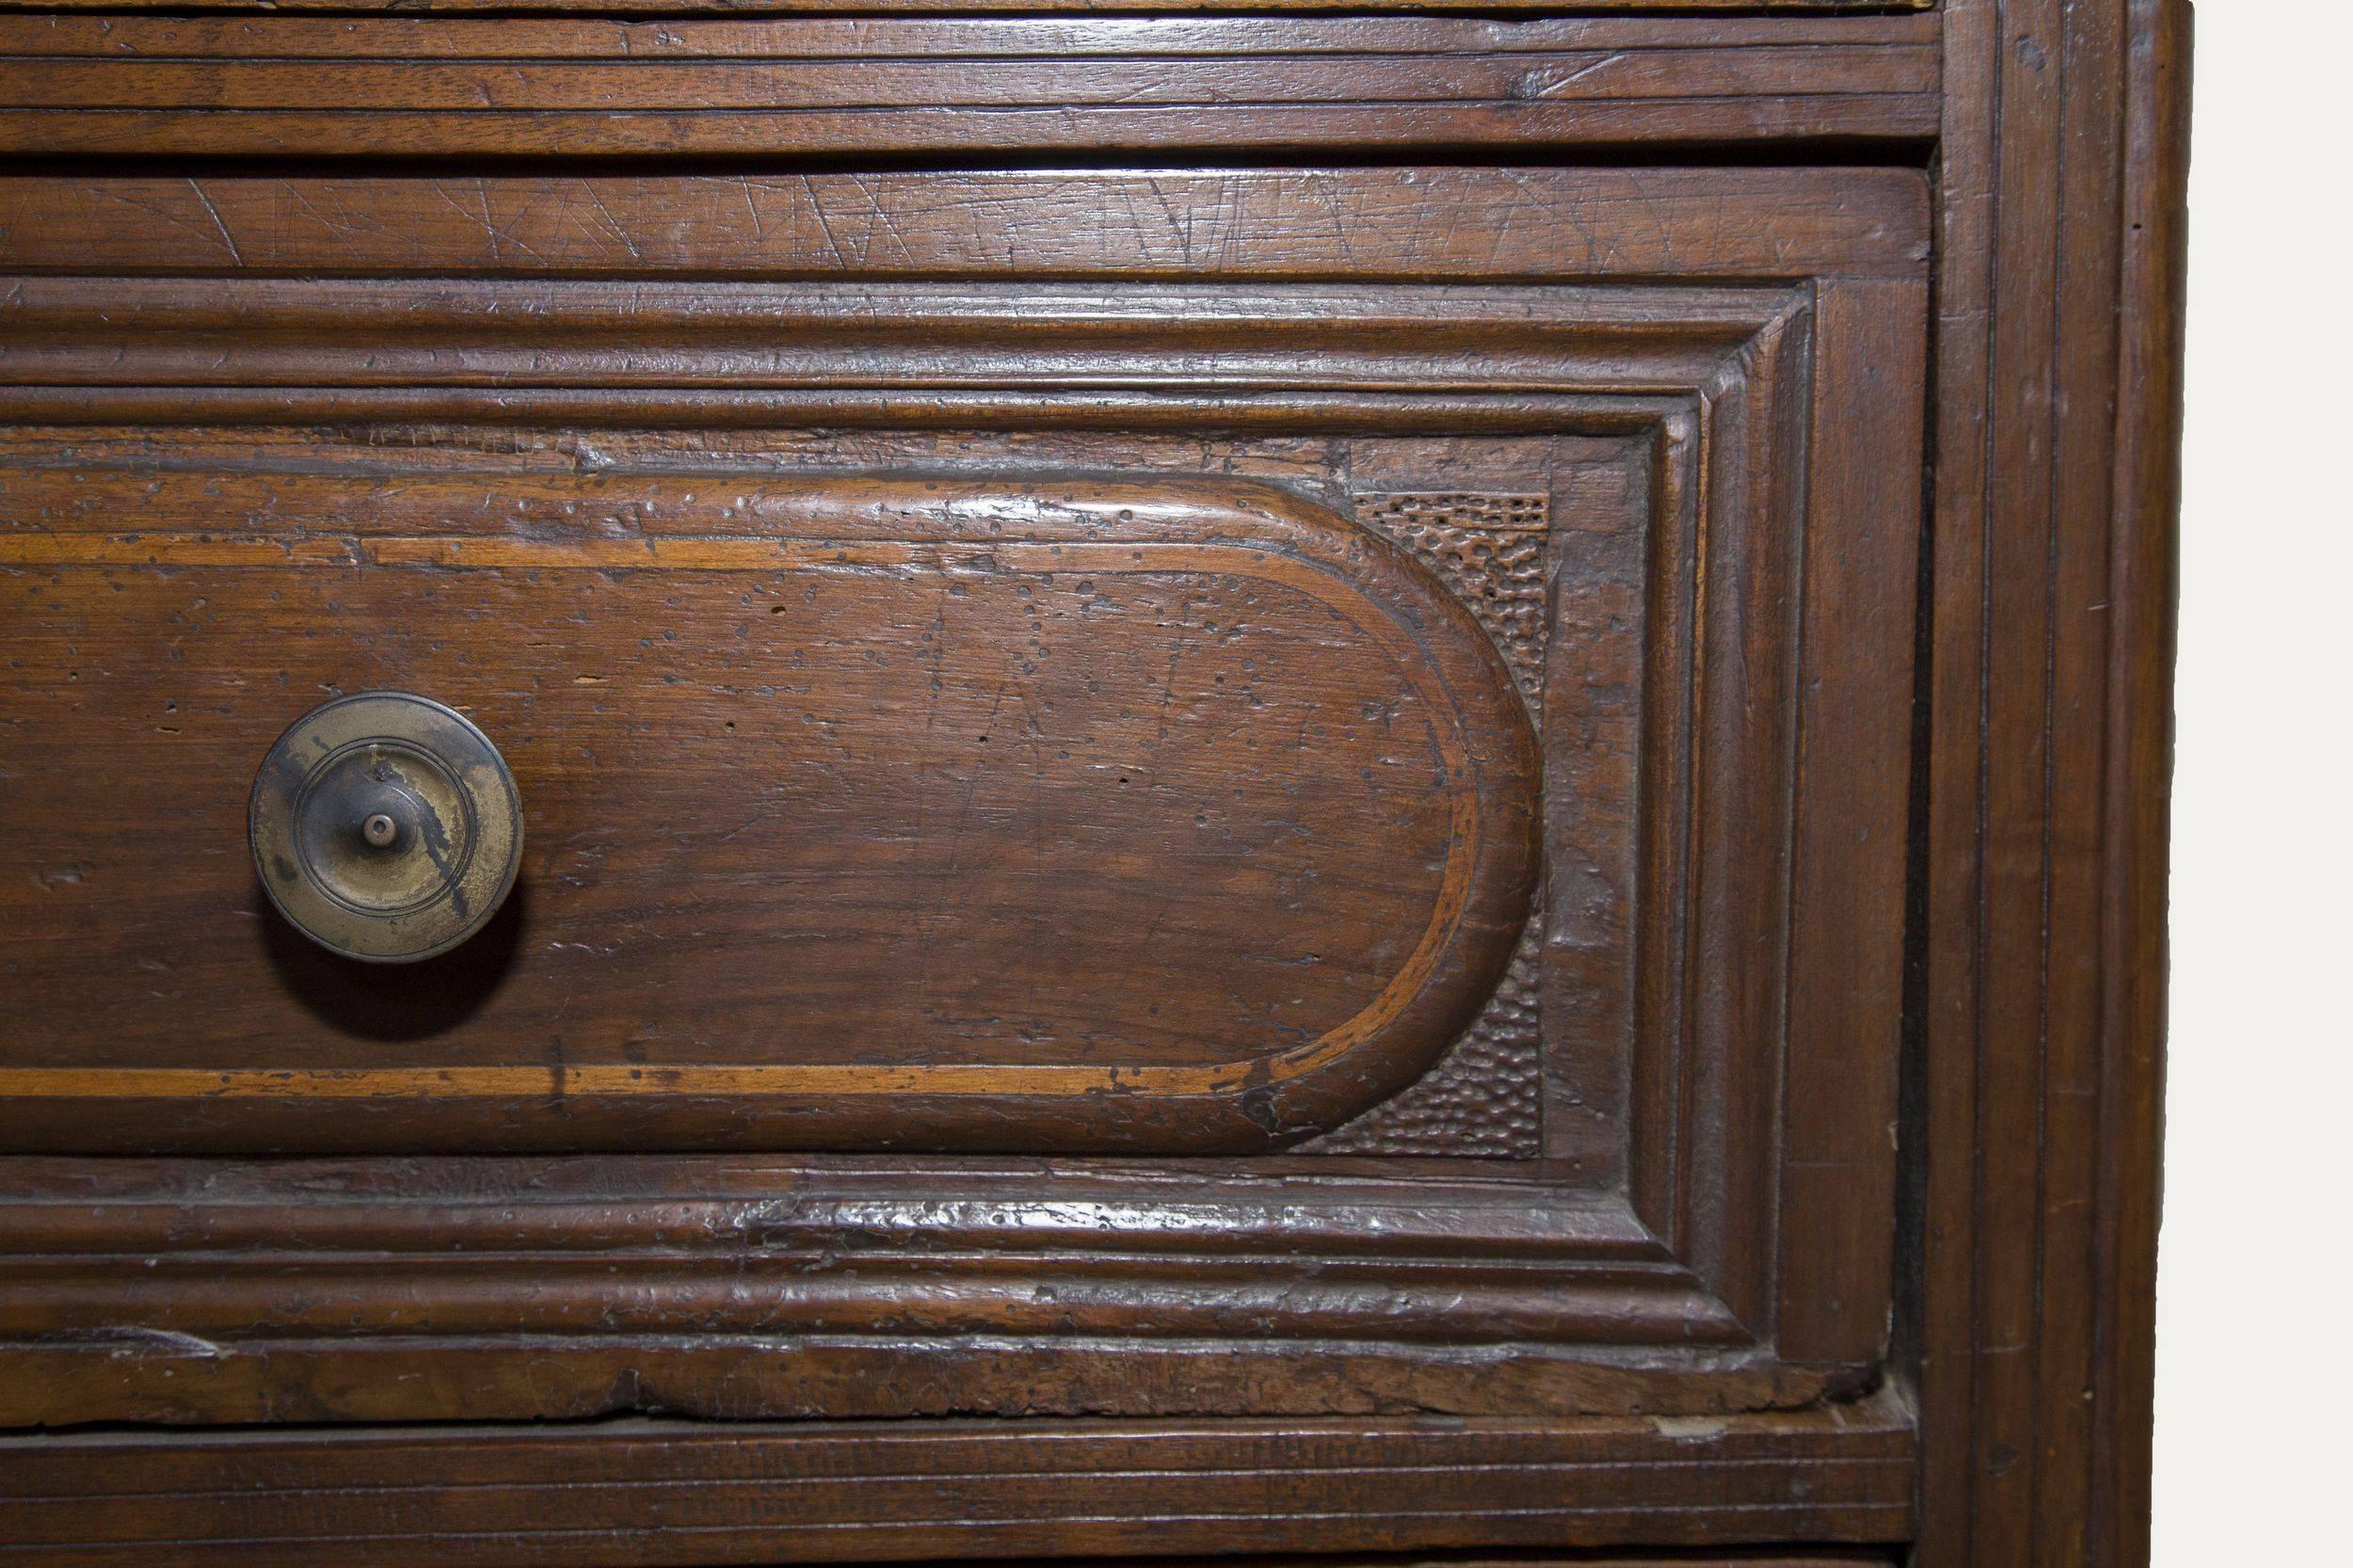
x: 424, y: 87
x: 1296, y: 1207
x: 451, y: 38
x: 798, y: 1294
x: 252, y: 331
x: 468, y: 1496
x: 914, y: 1504
x: 786, y: 132
x: 179, y: 1379
x: 434, y: 87
x: 793, y: 1295
x: 1314, y: 413
x: 1022, y: 1537
x: 1411, y: 223
x: 56, y: 1465
x: 918, y: 7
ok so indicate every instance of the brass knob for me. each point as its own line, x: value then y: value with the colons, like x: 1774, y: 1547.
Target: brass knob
x: 386, y: 826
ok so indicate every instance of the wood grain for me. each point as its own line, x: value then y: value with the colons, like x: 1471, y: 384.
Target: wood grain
x: 1400, y: 225
x: 1677, y: 664
x: 725, y: 8
x: 807, y: 340
x: 131, y: 31
x: 2044, y: 805
x: 414, y: 85
x: 1624, y: 534
x: 1848, y: 992
x: 674, y: 1492
x: 942, y: 856
x: 396, y: 1289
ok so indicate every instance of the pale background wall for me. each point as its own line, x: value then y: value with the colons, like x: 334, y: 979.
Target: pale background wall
x: 2256, y: 1291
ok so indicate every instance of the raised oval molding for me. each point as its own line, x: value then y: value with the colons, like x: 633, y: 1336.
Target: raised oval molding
x: 1160, y: 815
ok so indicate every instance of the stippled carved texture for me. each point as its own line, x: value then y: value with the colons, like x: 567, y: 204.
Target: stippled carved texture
x: 1490, y: 549
x: 1482, y: 1099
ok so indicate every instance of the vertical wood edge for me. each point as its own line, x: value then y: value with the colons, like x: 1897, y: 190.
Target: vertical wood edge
x: 1854, y: 699
x: 1942, y: 1157
x: 2059, y: 329
x: 2143, y: 586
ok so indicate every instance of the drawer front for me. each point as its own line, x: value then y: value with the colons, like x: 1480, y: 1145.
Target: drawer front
x: 1062, y: 814
x: 1398, y: 680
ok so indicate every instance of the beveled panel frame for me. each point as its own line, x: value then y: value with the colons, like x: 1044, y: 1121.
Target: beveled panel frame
x: 1687, y: 1291
x: 1758, y: 333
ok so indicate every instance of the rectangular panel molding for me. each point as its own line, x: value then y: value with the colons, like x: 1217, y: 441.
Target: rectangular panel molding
x: 1717, y: 1228
x: 1340, y: 782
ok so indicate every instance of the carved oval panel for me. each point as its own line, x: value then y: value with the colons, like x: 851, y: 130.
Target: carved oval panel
x: 861, y: 814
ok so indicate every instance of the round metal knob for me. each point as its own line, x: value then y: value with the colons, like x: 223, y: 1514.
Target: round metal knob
x: 386, y: 826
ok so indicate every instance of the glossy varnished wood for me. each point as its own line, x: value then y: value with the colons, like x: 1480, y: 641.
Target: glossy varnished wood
x: 427, y: 85
x: 1696, y: 437
x: 1694, y: 1292
x: 865, y: 813
x: 1398, y: 225
x: 491, y: 1289
x: 2042, y: 969
x: 1751, y: 1272
x: 671, y: 1494
x: 756, y: 8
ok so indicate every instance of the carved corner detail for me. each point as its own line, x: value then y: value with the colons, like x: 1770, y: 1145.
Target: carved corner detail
x: 1484, y: 1097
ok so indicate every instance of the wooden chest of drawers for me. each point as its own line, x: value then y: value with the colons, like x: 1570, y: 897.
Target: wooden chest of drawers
x: 1082, y: 784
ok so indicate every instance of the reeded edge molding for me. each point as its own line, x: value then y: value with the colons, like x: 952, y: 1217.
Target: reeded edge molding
x: 569, y: 86
x: 2039, y: 1061
x: 1074, y: 30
